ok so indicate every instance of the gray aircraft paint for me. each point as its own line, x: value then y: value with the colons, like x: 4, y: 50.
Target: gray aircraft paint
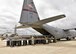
x: 29, y: 14
x: 59, y: 33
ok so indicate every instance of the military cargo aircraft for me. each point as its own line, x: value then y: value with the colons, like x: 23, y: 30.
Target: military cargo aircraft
x: 30, y: 18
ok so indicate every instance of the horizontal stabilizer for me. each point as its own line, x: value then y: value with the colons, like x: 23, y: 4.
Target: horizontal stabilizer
x: 26, y: 26
x: 23, y: 26
x: 49, y: 19
x: 41, y: 22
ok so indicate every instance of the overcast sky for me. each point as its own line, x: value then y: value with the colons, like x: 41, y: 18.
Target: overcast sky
x: 10, y: 11
x: 67, y: 7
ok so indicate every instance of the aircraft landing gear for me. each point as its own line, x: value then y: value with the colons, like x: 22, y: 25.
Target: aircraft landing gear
x: 8, y: 43
x: 68, y: 38
x: 73, y: 37
x: 53, y: 39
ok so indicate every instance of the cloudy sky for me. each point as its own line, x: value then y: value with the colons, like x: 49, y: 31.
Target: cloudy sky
x: 10, y: 11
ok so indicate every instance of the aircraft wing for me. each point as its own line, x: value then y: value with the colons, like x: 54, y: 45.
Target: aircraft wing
x: 41, y: 22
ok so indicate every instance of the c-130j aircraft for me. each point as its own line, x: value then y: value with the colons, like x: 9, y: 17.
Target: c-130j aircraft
x: 30, y: 18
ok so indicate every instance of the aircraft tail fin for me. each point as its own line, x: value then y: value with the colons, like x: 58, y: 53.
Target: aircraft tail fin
x: 29, y: 13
